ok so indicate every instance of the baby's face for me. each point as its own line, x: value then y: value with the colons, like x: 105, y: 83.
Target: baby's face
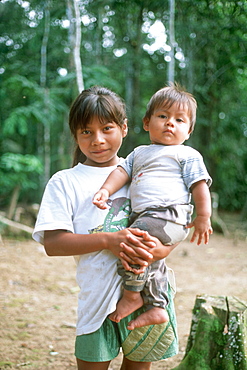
x: 168, y: 126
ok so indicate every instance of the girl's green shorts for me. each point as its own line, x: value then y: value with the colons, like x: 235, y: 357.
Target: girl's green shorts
x: 146, y: 344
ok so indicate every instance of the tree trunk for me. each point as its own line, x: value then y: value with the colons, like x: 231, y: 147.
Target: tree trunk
x: 217, y: 223
x: 43, y: 75
x: 77, y: 48
x: 171, y: 64
x: 44, y: 44
x: 218, y: 334
x: 13, y: 201
x: 132, y: 97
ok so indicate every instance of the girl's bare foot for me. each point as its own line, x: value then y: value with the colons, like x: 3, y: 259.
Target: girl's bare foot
x: 156, y: 315
x: 129, y: 303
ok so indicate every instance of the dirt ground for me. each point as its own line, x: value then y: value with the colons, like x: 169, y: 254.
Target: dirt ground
x: 38, y: 298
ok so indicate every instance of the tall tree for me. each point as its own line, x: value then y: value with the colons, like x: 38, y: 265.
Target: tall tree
x: 77, y: 48
x: 171, y: 64
x: 43, y: 71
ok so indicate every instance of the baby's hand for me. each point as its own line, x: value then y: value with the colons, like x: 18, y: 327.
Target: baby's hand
x: 202, y: 230
x: 100, y: 198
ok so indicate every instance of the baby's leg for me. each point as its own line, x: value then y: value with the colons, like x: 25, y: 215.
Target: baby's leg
x: 129, y: 303
x: 155, y: 315
x: 131, y: 300
x: 154, y: 296
x: 155, y: 289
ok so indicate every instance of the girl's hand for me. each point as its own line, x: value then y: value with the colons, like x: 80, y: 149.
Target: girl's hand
x: 144, y: 251
x: 130, y: 246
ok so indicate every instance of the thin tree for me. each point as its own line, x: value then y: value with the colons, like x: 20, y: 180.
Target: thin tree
x: 43, y: 84
x: 76, y: 48
x: 171, y: 64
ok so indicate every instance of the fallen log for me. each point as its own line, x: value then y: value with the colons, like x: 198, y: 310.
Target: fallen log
x: 15, y: 225
x: 218, y: 335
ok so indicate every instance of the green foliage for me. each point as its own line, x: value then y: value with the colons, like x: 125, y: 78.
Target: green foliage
x: 17, y: 169
x: 217, y: 71
x: 210, y: 61
x: 18, y: 164
x: 96, y: 73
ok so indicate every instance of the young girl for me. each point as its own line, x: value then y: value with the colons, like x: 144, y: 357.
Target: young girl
x: 69, y: 224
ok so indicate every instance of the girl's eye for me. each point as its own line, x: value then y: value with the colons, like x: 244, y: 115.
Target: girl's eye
x: 179, y: 120
x: 110, y: 127
x: 163, y: 116
x: 85, y: 132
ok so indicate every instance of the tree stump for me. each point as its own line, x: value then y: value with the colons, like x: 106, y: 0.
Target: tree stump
x: 218, y: 335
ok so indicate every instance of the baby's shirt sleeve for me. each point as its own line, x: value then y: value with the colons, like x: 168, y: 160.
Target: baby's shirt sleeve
x: 127, y: 164
x: 193, y: 168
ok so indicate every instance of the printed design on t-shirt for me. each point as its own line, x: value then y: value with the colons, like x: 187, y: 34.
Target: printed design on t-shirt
x: 136, y: 178
x: 117, y: 218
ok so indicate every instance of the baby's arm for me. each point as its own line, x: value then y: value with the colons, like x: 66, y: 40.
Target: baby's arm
x: 115, y: 181
x: 201, y: 223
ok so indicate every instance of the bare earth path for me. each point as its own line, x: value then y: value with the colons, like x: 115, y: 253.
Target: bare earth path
x: 38, y: 298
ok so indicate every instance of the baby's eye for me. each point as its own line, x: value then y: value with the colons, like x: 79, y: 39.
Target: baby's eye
x: 179, y: 120
x: 163, y: 116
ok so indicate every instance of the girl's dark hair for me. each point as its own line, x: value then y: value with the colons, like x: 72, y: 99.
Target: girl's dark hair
x: 98, y: 102
x: 169, y: 95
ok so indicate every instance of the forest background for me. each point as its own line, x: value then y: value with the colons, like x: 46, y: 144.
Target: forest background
x: 50, y: 50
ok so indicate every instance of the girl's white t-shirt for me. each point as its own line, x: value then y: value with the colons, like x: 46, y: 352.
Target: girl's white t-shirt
x: 67, y: 205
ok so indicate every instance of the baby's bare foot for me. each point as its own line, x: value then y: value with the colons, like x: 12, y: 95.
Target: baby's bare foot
x: 126, y: 306
x: 156, y: 315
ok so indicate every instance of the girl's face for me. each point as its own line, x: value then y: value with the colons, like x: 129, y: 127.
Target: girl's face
x: 168, y: 126
x: 100, y: 142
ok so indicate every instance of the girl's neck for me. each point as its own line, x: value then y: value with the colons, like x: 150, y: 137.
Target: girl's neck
x: 111, y: 163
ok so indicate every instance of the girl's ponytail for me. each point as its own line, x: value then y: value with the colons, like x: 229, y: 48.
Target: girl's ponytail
x: 79, y: 157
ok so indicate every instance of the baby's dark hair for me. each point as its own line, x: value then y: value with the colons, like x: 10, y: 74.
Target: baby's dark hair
x: 167, y: 96
x: 98, y: 102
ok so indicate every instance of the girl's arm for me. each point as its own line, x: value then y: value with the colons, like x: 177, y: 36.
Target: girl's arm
x: 202, y: 224
x: 63, y: 243
x: 132, y: 246
x: 115, y: 181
